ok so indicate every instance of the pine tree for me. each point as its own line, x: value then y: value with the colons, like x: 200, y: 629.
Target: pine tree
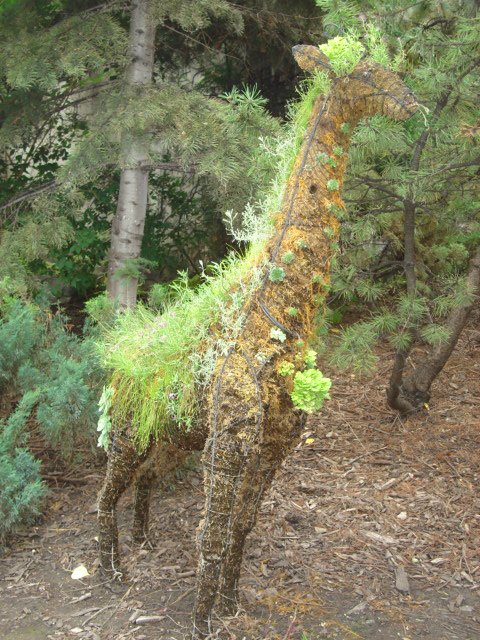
x: 179, y: 128
x: 411, y: 231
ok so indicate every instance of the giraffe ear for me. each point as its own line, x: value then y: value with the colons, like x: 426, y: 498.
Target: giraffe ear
x: 311, y: 58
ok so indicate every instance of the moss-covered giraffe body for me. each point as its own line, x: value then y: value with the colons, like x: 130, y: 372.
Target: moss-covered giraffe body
x: 251, y: 422
x: 253, y: 425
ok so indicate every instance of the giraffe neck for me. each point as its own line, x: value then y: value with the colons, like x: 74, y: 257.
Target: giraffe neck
x: 307, y: 226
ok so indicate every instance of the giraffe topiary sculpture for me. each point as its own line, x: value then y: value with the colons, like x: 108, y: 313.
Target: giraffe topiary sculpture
x: 252, y: 411
x: 253, y: 425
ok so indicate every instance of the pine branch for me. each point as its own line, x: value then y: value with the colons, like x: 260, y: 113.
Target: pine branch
x: 29, y: 193
x: 51, y: 185
x: 379, y: 185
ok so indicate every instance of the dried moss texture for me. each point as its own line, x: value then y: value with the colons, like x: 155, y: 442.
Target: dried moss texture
x: 252, y: 423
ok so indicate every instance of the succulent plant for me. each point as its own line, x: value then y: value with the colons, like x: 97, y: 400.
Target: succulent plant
x: 288, y: 257
x: 277, y: 334
x: 286, y: 368
x: 321, y: 157
x: 277, y: 274
x: 332, y: 185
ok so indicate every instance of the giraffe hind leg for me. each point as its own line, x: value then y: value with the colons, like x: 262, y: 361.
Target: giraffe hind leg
x: 123, y: 461
x: 143, y: 491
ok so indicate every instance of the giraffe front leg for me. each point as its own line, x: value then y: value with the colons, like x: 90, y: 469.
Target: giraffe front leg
x: 258, y: 478
x: 256, y: 482
x: 224, y: 459
x: 123, y: 461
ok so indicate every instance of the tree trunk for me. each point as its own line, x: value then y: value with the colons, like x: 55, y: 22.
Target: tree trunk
x: 395, y: 391
x: 129, y: 221
x: 395, y: 397
x: 416, y: 387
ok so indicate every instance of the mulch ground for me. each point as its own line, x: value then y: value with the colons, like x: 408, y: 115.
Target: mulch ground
x: 371, y: 530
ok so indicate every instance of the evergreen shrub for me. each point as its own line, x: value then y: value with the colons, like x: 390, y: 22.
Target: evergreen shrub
x: 52, y: 377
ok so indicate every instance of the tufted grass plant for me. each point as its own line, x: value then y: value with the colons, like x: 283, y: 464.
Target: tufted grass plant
x: 159, y: 362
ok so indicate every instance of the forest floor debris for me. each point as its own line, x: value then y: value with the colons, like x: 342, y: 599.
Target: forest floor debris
x: 371, y: 531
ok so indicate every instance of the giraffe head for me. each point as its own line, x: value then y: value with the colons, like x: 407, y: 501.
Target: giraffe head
x: 368, y: 89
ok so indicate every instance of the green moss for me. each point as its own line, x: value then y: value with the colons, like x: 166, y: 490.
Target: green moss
x: 333, y: 185
x: 345, y: 128
x: 332, y: 163
x: 338, y: 150
x: 292, y: 312
x: 301, y: 244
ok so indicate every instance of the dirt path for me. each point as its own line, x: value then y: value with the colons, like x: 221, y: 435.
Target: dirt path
x: 366, y: 505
